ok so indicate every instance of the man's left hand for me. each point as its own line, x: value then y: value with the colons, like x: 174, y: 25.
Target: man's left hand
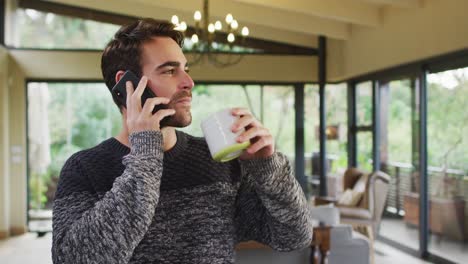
x: 262, y: 144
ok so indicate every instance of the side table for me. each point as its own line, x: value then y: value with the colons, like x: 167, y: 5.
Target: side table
x: 320, y: 246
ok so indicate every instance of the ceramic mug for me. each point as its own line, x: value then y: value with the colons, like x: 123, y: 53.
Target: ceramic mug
x: 219, y: 137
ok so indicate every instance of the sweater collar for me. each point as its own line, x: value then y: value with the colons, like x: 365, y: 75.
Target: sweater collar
x: 179, y: 147
x: 116, y: 147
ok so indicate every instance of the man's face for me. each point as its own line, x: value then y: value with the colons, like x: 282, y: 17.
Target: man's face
x: 166, y: 68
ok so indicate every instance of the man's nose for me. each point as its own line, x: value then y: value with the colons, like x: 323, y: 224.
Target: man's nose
x: 187, y: 82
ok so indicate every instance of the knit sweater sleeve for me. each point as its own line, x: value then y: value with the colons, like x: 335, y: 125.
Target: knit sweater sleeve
x: 271, y: 207
x: 88, y: 228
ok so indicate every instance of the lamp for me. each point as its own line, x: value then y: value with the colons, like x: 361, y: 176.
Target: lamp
x: 332, y: 132
x: 206, y: 38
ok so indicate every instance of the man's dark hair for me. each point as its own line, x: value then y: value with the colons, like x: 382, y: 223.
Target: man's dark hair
x: 123, y: 52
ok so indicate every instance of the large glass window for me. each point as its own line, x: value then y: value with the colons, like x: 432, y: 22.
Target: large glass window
x: 447, y: 133
x: 336, y: 130
x: 364, y: 151
x: 63, y: 118
x: 279, y: 117
x: 46, y: 30
x: 277, y: 113
x: 311, y: 122
x: 36, y: 29
x: 364, y: 121
x: 397, y: 152
x: 364, y: 103
x: 208, y: 99
x: 337, y: 126
x: 311, y: 138
x: 336, y: 119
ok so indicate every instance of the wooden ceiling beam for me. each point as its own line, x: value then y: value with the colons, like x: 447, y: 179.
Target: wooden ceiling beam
x: 398, y: 3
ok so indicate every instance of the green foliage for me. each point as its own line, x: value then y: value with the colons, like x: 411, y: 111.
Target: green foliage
x: 335, y: 99
x: 399, y: 122
x: 37, y: 189
x: 36, y: 29
x: 201, y: 89
x: 364, y: 103
x: 80, y: 116
x: 448, y: 120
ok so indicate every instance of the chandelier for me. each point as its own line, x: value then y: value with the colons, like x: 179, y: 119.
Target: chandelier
x: 212, y: 41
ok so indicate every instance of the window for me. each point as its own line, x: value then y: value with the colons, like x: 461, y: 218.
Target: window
x: 311, y: 124
x: 399, y: 114
x: 208, y: 99
x: 45, y: 30
x: 36, y: 29
x: 277, y: 113
x: 364, y: 103
x: 337, y: 126
x: 63, y: 118
x: 447, y: 144
x: 364, y: 119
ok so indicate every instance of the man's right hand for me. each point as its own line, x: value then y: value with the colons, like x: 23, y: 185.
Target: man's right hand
x: 141, y: 118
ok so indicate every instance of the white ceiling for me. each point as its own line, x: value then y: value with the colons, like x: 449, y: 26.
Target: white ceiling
x: 290, y: 21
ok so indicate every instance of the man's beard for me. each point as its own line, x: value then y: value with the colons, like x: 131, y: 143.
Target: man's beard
x: 183, y: 116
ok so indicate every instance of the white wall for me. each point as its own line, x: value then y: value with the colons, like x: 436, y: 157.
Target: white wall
x: 17, y: 141
x: 4, y: 147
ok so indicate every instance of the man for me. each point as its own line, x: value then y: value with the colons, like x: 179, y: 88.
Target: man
x: 154, y: 195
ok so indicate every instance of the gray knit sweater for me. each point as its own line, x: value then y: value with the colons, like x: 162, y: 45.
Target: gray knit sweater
x: 116, y: 205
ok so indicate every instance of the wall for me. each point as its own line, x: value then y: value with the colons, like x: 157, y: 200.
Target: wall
x: 335, y: 59
x: 17, y: 141
x: 406, y: 35
x: 4, y: 147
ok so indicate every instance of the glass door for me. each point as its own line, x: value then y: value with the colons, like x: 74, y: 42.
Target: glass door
x: 447, y: 138
x: 399, y: 159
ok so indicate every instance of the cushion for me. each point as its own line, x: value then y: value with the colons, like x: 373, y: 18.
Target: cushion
x: 360, y: 185
x: 351, y: 176
x: 350, y: 198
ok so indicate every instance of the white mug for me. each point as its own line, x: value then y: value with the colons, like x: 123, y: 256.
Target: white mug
x: 220, y: 138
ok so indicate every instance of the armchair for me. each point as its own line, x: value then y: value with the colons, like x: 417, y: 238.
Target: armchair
x: 368, y: 211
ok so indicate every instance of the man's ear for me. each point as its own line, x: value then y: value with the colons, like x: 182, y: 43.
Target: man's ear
x: 119, y: 75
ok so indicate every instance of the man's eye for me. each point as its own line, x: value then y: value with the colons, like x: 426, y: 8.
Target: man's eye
x: 171, y: 71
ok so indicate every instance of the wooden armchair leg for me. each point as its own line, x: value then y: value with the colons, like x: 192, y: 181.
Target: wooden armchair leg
x: 320, y: 247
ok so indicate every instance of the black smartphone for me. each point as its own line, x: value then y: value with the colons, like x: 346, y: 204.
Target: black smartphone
x: 119, y: 92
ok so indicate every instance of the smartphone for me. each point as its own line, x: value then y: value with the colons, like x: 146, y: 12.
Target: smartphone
x: 119, y: 92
